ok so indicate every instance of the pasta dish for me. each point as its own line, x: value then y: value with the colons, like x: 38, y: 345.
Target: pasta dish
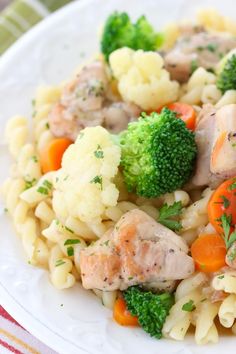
x: 124, y: 178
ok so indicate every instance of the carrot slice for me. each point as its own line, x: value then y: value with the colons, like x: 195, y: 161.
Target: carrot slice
x: 208, y: 252
x: 51, y: 155
x: 223, y: 201
x: 217, y: 147
x: 185, y: 112
x: 122, y: 315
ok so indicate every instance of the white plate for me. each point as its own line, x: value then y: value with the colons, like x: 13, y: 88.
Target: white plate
x: 72, y: 321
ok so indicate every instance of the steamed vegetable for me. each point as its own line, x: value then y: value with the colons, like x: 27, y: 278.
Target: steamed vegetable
x: 122, y: 315
x: 158, y: 154
x: 120, y: 32
x: 208, y: 252
x: 227, y: 77
x: 51, y: 156
x: 223, y: 201
x: 185, y: 112
x: 142, y: 78
x: 151, y: 309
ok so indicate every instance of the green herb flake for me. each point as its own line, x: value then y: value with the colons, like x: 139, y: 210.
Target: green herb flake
x: 71, y: 242
x: 167, y: 212
x: 200, y: 48
x: 30, y: 183
x: 211, y: 47
x: 47, y: 125
x: 59, y: 262
x: 35, y: 159
x: 194, y: 66
x: 69, y: 230
x: 99, y: 153
x: 221, y: 277
x: 130, y: 278
x: 232, y: 186
x: 226, y: 225
x: 225, y: 201
x: 47, y: 184
x: 42, y: 190
x: 5, y: 210
x: 33, y: 102
x: 106, y: 243
x: 189, y: 306
x: 97, y: 180
x: 70, y: 251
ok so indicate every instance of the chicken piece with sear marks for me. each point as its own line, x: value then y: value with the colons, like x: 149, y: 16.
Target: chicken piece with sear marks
x: 137, y: 251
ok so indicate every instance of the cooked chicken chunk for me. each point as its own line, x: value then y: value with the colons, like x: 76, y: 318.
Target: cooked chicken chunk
x: 86, y: 102
x: 138, y: 251
x: 195, y: 50
x: 216, y: 141
x: 204, y: 139
x: 223, y: 155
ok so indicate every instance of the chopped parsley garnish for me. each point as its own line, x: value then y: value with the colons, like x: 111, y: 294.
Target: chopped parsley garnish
x: 45, y: 187
x: 71, y: 242
x: 68, y: 229
x: 228, y: 237
x: 5, y: 210
x: 211, y: 47
x: 221, y: 277
x: 130, y: 278
x: 33, y: 102
x: 106, y: 243
x: 35, y: 159
x: 47, y: 184
x: 167, y: 212
x: 232, y: 186
x: 70, y: 251
x: 29, y: 184
x: 97, y: 180
x: 194, y: 66
x: 225, y: 202
x: 42, y: 190
x: 97, y: 89
x: 99, y: 153
x: 189, y: 306
x: 47, y: 125
x: 59, y: 262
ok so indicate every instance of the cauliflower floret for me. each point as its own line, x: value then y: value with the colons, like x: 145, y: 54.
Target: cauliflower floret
x: 142, y: 79
x: 84, y: 185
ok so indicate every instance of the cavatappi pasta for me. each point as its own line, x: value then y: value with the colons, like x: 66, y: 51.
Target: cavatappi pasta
x: 60, y: 212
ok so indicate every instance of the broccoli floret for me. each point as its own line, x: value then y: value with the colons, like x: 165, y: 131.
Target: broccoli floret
x: 151, y: 309
x: 157, y: 154
x: 120, y: 32
x: 227, y: 77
